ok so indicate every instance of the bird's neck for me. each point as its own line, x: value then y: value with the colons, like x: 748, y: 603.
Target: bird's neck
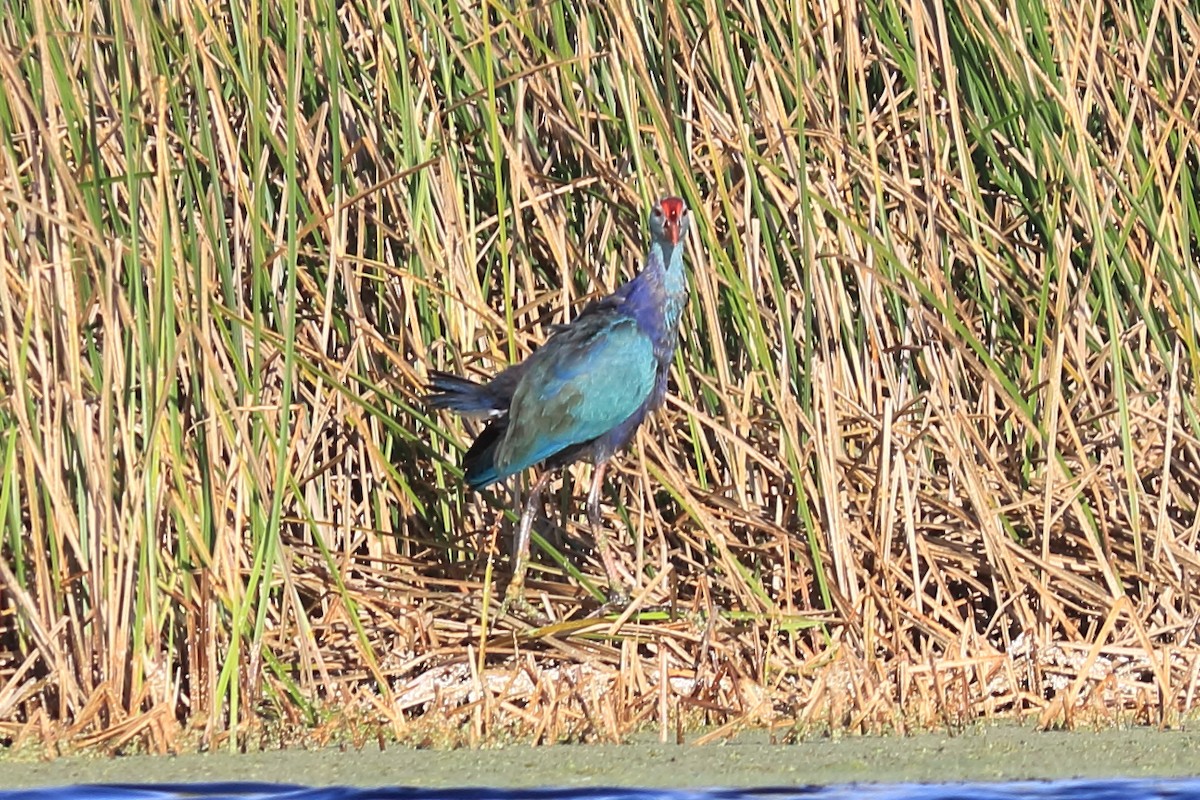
x: 657, y: 295
x: 670, y: 262
x: 674, y: 283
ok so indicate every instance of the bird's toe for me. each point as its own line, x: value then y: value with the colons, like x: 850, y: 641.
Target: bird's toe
x: 516, y: 602
x: 618, y: 598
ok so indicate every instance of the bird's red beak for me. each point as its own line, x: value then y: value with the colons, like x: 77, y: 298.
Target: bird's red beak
x: 672, y: 208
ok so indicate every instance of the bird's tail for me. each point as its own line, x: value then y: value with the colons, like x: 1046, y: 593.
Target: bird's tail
x: 460, y: 394
x: 468, y: 397
x: 479, y: 464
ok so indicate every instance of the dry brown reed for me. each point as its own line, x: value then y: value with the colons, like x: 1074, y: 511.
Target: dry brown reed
x: 931, y: 449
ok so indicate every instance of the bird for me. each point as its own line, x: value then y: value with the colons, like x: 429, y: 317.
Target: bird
x: 582, y: 395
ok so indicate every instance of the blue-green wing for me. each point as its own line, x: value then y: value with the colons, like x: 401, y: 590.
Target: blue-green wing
x: 589, y: 378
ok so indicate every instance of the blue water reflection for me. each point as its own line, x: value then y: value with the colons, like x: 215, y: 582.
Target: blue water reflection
x: 1176, y: 789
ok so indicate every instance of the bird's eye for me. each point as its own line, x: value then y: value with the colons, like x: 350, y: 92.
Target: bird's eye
x: 656, y: 211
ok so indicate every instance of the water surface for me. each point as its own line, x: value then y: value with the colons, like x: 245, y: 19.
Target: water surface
x: 1121, y: 789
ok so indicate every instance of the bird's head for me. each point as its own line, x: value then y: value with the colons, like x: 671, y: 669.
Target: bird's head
x: 669, y: 221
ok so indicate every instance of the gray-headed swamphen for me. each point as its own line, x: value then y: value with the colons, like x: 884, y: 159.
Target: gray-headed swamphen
x: 583, y: 394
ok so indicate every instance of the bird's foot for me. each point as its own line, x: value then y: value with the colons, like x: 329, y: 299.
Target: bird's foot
x: 617, y: 598
x: 514, y: 600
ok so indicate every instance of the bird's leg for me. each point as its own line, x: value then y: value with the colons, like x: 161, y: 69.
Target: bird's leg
x: 515, y: 594
x: 617, y: 592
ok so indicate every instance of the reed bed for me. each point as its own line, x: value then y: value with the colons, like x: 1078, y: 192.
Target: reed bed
x: 931, y: 449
